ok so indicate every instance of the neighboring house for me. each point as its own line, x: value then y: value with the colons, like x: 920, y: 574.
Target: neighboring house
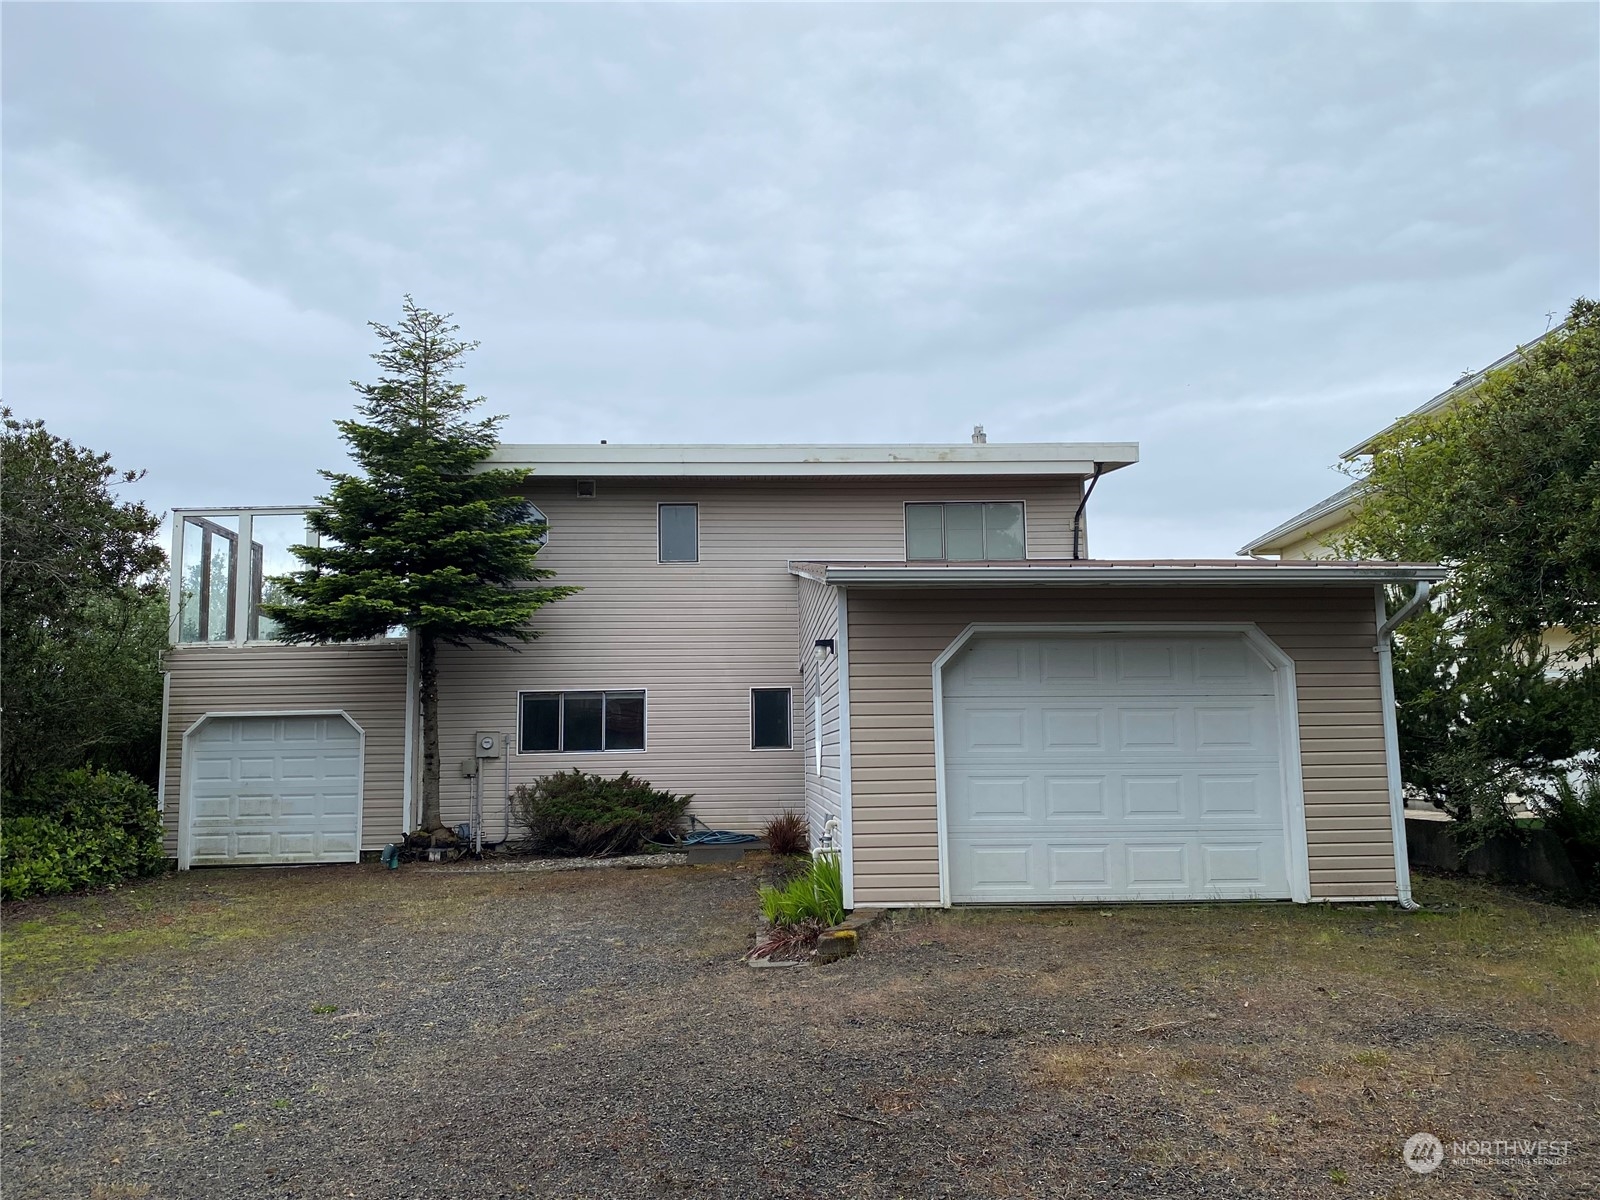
x: 1315, y: 533
x: 908, y: 640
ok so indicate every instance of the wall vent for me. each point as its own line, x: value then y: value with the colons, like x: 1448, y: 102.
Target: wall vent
x: 585, y: 489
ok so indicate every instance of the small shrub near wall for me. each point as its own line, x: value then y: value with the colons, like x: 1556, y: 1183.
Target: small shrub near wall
x: 573, y: 813
x: 78, y: 829
x: 788, y: 833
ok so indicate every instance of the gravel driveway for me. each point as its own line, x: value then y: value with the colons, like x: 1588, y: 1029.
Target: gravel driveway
x: 349, y: 1032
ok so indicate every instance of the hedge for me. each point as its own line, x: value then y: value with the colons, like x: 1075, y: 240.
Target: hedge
x: 78, y: 829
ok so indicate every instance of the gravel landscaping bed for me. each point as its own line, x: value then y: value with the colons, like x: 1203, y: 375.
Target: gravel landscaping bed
x: 537, y: 1031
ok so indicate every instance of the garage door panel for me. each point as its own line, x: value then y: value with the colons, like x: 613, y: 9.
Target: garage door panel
x: 1081, y: 866
x: 1152, y: 797
x: 271, y: 789
x: 1073, y: 730
x: 1154, y: 865
x: 998, y: 798
x: 1113, y: 768
x: 1075, y: 798
x: 1146, y: 730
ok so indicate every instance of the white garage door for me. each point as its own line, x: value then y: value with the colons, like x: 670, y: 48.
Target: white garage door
x: 274, y: 790
x: 1113, y: 768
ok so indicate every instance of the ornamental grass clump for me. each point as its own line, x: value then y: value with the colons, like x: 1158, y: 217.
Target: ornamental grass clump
x: 788, y: 833
x: 573, y: 813
x: 816, y: 894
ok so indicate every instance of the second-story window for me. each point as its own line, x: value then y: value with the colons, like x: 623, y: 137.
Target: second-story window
x: 678, y: 533
x: 978, y: 532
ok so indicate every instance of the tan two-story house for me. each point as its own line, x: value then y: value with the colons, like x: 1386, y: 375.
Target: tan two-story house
x: 908, y: 643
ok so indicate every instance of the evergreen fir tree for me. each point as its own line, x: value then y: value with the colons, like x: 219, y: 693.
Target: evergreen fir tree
x: 423, y: 536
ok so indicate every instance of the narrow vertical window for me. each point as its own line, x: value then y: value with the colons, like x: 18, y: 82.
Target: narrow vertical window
x: 816, y: 730
x: 770, y: 722
x: 678, y: 533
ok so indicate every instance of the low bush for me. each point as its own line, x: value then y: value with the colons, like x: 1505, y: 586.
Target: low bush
x: 788, y: 833
x: 573, y: 813
x: 815, y: 894
x: 1573, y: 815
x: 77, y: 829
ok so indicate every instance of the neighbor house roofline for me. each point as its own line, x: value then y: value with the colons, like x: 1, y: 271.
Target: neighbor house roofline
x: 816, y: 461
x: 1324, y: 514
x: 1461, y: 387
x: 1228, y: 572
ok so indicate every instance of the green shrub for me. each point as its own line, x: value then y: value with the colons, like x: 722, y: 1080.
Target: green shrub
x: 591, y: 815
x: 1573, y: 815
x: 77, y: 829
x: 816, y: 894
x: 788, y: 833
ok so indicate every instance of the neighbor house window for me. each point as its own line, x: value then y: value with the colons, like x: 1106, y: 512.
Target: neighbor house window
x: 984, y: 532
x: 678, y: 533
x: 577, y: 722
x: 769, y: 719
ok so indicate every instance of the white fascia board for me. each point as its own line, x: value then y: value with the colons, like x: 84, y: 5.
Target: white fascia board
x: 821, y: 461
x: 1119, y: 576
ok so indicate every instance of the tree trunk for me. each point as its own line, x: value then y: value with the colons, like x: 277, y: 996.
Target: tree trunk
x: 428, y: 685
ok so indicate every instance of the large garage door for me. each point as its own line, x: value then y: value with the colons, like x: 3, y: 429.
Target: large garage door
x: 274, y: 790
x: 1113, y: 768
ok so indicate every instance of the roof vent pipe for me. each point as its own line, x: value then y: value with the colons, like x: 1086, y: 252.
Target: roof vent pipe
x: 979, y: 437
x: 1077, y: 517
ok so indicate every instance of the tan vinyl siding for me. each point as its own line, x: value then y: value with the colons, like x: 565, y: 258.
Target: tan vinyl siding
x: 697, y: 636
x: 819, y: 618
x: 896, y: 635
x: 368, y: 681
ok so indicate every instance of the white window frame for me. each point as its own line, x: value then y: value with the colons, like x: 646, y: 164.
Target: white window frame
x: 519, y: 752
x: 678, y: 562
x: 755, y: 749
x: 905, y: 528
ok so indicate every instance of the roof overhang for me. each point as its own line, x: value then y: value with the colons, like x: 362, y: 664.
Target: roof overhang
x: 831, y: 461
x: 1118, y: 573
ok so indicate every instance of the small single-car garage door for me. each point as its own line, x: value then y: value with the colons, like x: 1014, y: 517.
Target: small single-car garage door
x: 1081, y: 767
x: 273, y: 789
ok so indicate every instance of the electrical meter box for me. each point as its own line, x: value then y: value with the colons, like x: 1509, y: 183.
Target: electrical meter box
x: 488, y: 744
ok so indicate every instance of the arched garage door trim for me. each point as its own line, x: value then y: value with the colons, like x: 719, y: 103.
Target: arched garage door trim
x: 1282, y: 667
x: 185, y: 807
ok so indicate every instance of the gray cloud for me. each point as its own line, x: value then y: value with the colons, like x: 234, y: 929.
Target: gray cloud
x: 1243, y: 236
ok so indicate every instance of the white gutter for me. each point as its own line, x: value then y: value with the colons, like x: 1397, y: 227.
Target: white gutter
x: 1391, y: 736
x: 1113, y: 576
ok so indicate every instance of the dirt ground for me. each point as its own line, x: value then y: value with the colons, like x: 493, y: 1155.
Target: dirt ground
x: 350, y: 1032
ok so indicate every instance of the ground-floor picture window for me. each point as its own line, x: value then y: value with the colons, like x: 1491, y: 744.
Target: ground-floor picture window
x: 770, y: 722
x: 575, y: 722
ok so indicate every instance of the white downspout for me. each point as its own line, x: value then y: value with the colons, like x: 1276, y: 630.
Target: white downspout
x: 1391, y: 734
x: 407, y: 783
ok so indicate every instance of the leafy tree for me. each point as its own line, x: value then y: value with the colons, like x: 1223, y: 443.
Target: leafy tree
x: 424, y: 536
x: 1504, y: 488
x: 83, y: 618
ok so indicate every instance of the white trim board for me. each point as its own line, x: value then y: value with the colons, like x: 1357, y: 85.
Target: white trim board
x: 1296, y: 851
x: 1391, y: 754
x: 186, y: 776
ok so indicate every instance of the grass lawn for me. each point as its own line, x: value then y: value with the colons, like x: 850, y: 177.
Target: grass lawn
x: 353, y: 1032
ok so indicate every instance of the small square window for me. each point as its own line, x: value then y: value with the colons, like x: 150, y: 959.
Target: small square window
x: 678, y: 533
x: 770, y: 727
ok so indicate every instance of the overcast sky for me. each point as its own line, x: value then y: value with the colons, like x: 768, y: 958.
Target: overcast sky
x: 1242, y: 236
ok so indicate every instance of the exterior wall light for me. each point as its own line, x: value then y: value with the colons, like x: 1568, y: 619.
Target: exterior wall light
x: 825, y: 647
